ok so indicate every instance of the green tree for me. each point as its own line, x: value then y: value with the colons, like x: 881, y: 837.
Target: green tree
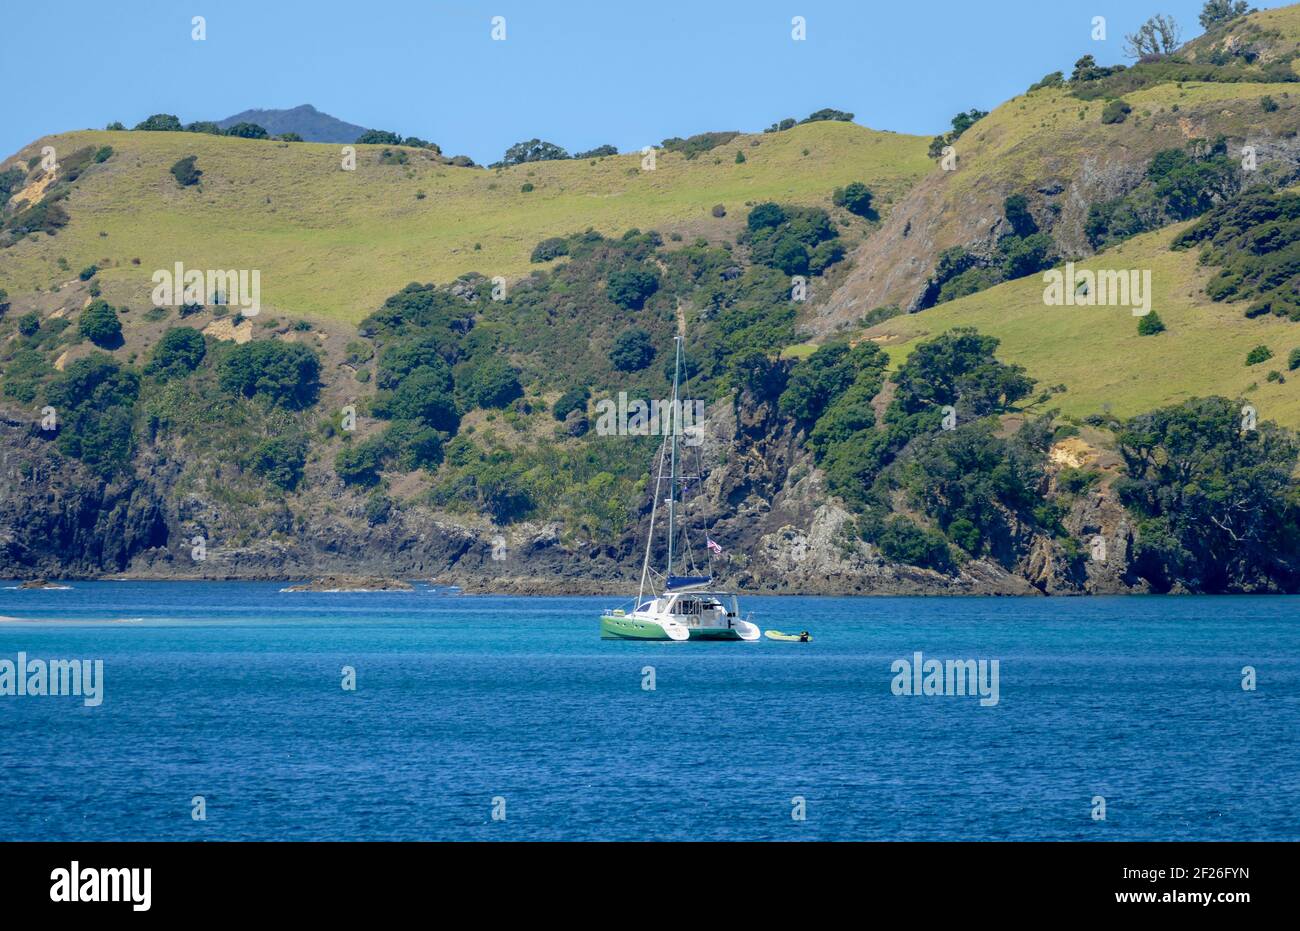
x: 378, y: 137
x: 601, y: 151
x: 1259, y: 354
x: 160, y: 123
x: 247, y: 131
x: 824, y: 376
x: 1217, y: 505
x: 1217, y: 12
x: 425, y: 396
x: 632, y: 351
x: 358, y: 463
x: 959, y: 368
x: 401, y: 358
x: 825, y: 255
x: 1026, y: 255
x: 1116, y: 111
x: 903, y: 541
x: 280, y: 460
x: 828, y: 113
x: 765, y: 215
x: 575, y: 399
x: 414, y: 445
x: 100, y: 325
x: 533, y: 150
x: 185, y: 172
x: 1150, y: 324
x: 790, y: 255
x: 502, y: 493
x: 283, y: 374
x: 632, y: 287
x: 964, y: 121
x: 179, y: 352
x: 95, y: 399
x: 494, y: 382
x: 1016, y: 209
x: 1157, y: 37
x: 856, y: 198
x: 549, y: 249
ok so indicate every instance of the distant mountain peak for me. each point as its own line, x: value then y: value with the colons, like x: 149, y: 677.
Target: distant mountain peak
x: 304, y: 119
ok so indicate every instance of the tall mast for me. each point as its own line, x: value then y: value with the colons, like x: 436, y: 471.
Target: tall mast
x: 674, y: 413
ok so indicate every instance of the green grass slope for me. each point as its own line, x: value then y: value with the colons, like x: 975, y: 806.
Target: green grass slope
x: 1054, y: 148
x: 1096, y: 352
x: 335, y: 243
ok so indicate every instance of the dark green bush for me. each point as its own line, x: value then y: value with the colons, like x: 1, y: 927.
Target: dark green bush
x: 359, y: 462
x: 575, y: 399
x: 280, y: 460
x: 247, y: 131
x: 905, y: 542
x: 378, y: 137
x: 698, y: 144
x: 24, y: 373
x: 178, y: 352
x: 1150, y: 324
x: 632, y: 351
x: 160, y: 123
x: 283, y: 374
x: 185, y: 172
x: 100, y: 325
x: 1258, y: 354
x: 533, y: 150
x: 494, y: 382
x: 630, y: 288
x: 95, y: 399
x: 426, y: 396
x: 1116, y: 111
x: 549, y: 249
x: 855, y: 198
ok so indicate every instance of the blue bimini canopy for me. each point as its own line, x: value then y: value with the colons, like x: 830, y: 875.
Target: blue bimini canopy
x: 676, y: 582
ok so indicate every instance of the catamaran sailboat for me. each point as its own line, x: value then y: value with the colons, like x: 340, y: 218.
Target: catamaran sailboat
x: 668, y: 606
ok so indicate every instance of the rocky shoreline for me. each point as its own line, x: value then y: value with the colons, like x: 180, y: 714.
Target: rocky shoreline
x: 334, y: 583
x: 913, y: 583
x: 765, y: 504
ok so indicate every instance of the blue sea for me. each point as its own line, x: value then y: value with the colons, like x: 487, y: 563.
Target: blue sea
x: 466, y: 706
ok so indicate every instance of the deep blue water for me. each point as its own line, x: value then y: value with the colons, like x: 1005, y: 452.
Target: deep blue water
x: 233, y: 691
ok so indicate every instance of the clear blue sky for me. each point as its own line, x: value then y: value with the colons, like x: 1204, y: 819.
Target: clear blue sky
x: 580, y: 74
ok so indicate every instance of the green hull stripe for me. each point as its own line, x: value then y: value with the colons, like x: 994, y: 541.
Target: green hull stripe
x: 626, y: 628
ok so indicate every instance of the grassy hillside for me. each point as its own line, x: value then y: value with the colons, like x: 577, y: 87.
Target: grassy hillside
x: 1052, y: 146
x: 336, y: 243
x: 1096, y: 352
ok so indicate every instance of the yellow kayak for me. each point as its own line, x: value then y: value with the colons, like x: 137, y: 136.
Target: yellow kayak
x: 793, y: 638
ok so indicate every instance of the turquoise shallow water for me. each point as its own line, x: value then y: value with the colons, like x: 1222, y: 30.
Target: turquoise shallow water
x: 232, y: 691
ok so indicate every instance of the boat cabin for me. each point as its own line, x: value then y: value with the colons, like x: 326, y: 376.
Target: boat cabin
x: 694, y: 608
